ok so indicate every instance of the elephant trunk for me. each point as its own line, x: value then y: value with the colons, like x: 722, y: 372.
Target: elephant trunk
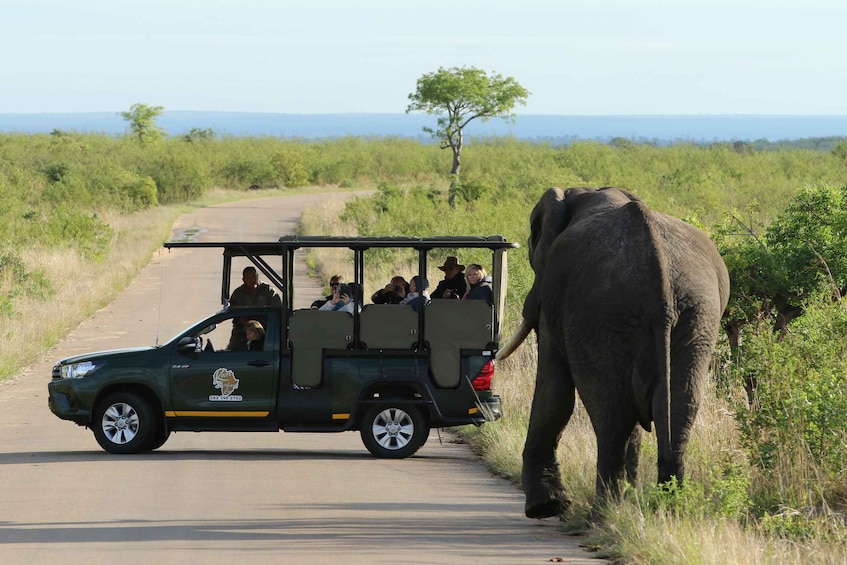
x: 515, y: 340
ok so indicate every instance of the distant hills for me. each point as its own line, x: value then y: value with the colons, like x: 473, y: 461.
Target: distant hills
x: 555, y: 128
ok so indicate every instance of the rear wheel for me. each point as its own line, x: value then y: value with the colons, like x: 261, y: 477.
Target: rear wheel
x: 394, y: 431
x: 124, y: 422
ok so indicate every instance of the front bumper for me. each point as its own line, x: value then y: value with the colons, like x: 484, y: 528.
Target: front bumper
x: 68, y: 402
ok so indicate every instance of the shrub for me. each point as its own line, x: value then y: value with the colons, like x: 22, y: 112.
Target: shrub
x: 800, y: 403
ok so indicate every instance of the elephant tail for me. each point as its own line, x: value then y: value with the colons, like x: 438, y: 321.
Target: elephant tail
x: 515, y: 340
x: 662, y: 401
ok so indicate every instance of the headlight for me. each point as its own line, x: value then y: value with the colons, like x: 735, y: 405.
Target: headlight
x: 79, y: 370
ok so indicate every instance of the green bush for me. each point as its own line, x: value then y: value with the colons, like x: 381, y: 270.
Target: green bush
x: 16, y: 282
x: 800, y: 403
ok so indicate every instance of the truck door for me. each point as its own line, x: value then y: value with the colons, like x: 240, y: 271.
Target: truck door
x: 206, y: 380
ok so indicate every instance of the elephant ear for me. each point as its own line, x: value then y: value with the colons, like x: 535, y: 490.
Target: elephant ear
x: 546, y: 222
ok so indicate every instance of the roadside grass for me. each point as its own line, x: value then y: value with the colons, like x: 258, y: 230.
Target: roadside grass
x: 80, y: 286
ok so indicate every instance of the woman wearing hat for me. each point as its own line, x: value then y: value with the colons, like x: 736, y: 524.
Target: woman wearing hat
x: 453, y: 285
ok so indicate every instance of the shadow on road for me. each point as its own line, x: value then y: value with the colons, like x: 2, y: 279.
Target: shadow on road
x: 39, y: 457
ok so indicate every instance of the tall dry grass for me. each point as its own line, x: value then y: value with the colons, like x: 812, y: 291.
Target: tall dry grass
x: 81, y: 286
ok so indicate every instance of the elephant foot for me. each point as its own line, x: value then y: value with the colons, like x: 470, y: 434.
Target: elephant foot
x: 545, y: 493
x: 548, y: 506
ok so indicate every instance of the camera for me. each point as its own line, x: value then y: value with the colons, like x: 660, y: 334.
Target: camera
x: 397, y: 288
x: 344, y: 289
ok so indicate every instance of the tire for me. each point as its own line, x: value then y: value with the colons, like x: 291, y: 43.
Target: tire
x: 124, y: 422
x: 160, y: 436
x: 394, y: 431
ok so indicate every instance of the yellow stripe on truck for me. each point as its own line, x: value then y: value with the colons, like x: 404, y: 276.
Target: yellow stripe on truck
x: 341, y: 416
x: 213, y: 414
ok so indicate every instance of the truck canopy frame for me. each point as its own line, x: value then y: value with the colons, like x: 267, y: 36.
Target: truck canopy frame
x: 284, y: 248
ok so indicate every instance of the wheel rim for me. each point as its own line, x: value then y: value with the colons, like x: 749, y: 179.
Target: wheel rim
x: 120, y: 423
x: 393, y: 428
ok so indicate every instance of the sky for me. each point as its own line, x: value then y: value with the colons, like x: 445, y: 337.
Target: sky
x: 575, y: 57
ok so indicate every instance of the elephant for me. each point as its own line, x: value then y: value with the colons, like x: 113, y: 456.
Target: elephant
x: 626, y: 304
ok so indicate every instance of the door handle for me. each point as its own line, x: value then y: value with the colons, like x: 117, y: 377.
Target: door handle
x: 259, y: 363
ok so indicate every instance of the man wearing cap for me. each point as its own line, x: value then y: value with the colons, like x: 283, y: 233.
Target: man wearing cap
x: 453, y: 285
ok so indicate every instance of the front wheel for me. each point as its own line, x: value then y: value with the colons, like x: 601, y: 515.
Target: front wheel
x: 394, y: 431
x: 124, y: 422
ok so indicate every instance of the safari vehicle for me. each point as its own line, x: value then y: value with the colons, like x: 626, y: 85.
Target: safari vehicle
x: 387, y: 371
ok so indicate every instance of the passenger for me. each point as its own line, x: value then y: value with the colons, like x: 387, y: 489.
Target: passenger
x: 479, y: 284
x: 393, y: 293
x: 251, y: 293
x: 453, y: 285
x: 415, y: 299
x: 345, y: 298
x: 334, y: 281
x: 255, y: 335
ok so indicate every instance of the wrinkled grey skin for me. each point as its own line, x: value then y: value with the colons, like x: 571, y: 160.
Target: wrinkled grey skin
x: 626, y: 304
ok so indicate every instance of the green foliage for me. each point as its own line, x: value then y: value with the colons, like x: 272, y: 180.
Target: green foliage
x: 69, y: 227
x: 16, y: 282
x: 289, y: 168
x: 142, y: 122
x: 800, y: 405
x: 465, y: 94
x: 197, y: 135
x: 801, y: 254
x: 249, y: 172
x: 726, y: 497
x: 178, y: 175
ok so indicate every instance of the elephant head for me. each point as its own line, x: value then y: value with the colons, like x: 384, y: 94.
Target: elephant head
x: 626, y: 303
x: 550, y: 217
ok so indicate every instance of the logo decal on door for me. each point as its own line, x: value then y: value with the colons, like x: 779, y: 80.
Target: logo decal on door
x: 225, y: 380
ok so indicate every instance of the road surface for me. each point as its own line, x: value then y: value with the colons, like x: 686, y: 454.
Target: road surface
x: 230, y: 497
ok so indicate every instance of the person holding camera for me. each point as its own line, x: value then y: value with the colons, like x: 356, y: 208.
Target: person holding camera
x: 453, y: 286
x: 345, y: 298
x: 393, y: 293
x: 334, y: 281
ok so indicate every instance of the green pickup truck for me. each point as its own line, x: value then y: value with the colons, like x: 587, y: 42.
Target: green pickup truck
x: 386, y: 370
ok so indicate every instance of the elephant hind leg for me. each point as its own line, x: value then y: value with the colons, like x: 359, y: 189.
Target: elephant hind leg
x: 633, y: 448
x: 617, y: 457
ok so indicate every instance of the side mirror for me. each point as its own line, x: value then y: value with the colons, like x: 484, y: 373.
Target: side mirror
x: 189, y: 343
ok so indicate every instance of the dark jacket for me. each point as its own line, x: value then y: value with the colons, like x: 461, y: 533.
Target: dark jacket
x: 481, y: 291
x: 383, y: 296
x: 457, y: 285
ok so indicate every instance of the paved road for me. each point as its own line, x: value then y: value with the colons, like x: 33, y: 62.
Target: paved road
x: 227, y: 497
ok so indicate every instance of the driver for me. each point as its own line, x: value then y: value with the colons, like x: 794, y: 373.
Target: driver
x: 251, y: 293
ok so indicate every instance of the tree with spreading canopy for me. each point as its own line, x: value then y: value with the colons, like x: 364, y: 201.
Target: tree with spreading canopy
x: 142, y: 122
x: 462, y: 95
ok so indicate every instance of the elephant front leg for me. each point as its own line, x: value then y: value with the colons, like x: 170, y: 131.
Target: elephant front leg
x: 552, y: 406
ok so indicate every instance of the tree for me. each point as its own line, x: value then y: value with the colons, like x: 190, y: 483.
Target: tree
x: 142, y: 122
x: 802, y: 254
x: 464, y: 94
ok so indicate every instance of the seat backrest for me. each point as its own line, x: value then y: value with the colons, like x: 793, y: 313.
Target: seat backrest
x: 452, y: 325
x: 310, y: 332
x: 388, y: 326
